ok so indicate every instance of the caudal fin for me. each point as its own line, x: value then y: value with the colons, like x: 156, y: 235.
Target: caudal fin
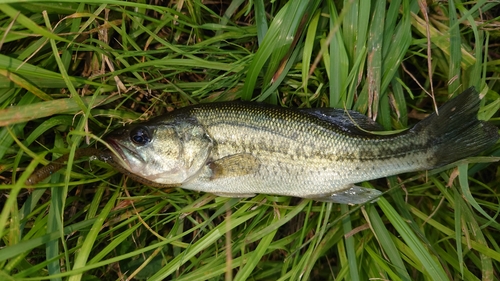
x: 456, y: 133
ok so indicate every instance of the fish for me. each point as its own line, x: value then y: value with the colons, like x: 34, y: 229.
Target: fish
x: 240, y: 149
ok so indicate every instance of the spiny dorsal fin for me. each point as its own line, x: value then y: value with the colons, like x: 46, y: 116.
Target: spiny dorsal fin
x: 348, y: 120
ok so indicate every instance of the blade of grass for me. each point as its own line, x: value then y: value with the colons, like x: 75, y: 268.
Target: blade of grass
x: 253, y: 259
x: 339, y: 63
x: 275, y: 45
x: 333, y: 238
x: 454, y: 76
x: 83, y: 254
x: 25, y: 84
x: 260, y: 20
x: 349, y: 244
x: 27, y: 245
x: 384, y: 238
x: 450, y: 232
x: 357, y: 32
x: 24, y: 113
x: 458, y: 230
x: 487, y: 271
x: 395, y: 46
x: 5, y: 138
x: 54, y: 222
x: 439, y: 38
x: 374, y: 64
x: 67, y: 230
x: 433, y: 269
x: 28, y: 23
x: 272, y: 89
x: 464, y: 185
x: 309, y: 42
x: 204, y: 242
x: 383, y: 266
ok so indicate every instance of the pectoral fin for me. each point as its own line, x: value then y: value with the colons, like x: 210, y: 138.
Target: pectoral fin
x: 352, y: 195
x: 234, y: 166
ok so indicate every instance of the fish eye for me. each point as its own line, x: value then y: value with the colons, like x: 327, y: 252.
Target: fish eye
x: 140, y: 136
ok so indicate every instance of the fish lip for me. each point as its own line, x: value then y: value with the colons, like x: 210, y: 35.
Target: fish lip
x: 116, y: 147
x: 120, y: 150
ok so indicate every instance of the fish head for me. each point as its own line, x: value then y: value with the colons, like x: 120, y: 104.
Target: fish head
x: 165, y: 152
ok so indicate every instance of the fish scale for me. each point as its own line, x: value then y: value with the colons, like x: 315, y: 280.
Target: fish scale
x: 240, y: 149
x: 298, y: 143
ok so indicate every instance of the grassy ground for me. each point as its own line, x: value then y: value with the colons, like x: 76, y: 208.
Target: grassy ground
x: 70, y: 72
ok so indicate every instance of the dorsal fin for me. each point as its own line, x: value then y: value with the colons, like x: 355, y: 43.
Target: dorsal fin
x: 348, y: 120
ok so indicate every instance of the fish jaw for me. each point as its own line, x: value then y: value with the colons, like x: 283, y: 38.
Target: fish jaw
x: 146, y: 166
x: 125, y: 154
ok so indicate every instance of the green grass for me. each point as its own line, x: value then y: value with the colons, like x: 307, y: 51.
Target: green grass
x: 72, y: 72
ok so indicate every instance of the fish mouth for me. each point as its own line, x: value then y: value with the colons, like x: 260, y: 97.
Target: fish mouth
x: 122, y: 151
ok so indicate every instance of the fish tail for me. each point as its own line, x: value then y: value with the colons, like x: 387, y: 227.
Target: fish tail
x: 456, y: 133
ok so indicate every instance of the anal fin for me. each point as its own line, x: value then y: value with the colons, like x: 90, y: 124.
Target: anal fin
x: 234, y: 195
x: 352, y: 195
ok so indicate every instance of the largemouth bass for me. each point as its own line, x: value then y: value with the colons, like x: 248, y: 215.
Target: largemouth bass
x: 239, y: 149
